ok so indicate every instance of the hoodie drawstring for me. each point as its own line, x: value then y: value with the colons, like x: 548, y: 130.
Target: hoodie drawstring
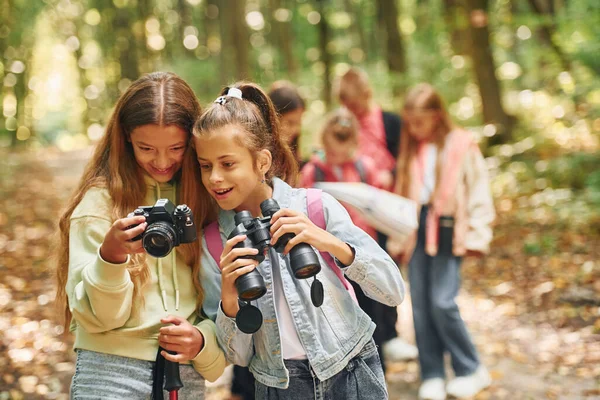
x: 174, y: 264
x: 161, y: 287
x: 175, y: 282
x: 163, y: 292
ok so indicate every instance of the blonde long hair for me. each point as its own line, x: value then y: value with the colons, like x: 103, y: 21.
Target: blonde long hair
x: 161, y: 99
x: 421, y: 98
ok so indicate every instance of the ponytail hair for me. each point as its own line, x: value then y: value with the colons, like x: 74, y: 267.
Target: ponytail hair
x: 255, y: 113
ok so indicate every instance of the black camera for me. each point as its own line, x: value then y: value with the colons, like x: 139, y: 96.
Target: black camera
x: 445, y: 235
x: 303, y: 259
x: 168, y: 227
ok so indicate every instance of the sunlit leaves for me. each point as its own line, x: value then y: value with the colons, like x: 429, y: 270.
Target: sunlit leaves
x: 313, y: 17
x: 282, y: 15
x: 92, y: 17
x: 255, y: 20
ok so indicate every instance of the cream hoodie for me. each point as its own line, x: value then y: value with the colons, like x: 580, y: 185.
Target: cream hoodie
x: 106, y: 318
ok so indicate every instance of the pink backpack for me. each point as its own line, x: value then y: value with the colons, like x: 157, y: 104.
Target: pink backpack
x: 317, y: 216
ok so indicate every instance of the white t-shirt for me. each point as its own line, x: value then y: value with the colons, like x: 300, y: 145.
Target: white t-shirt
x: 431, y: 153
x: 291, y: 347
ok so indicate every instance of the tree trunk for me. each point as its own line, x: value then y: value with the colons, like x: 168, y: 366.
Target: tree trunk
x: 375, y: 32
x: 356, y: 25
x: 283, y: 39
x: 185, y: 19
x: 395, y: 49
x: 5, y: 19
x: 458, y: 32
x: 325, y: 56
x: 483, y: 64
x: 226, y: 58
x: 126, y: 54
x: 548, y: 29
x: 143, y: 55
x: 239, y: 37
x: 214, y: 28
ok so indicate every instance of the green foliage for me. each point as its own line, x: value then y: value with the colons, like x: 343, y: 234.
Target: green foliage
x: 593, y: 186
x: 546, y: 244
x: 576, y: 171
x: 112, y: 51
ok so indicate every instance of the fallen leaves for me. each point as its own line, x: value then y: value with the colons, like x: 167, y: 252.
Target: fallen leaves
x: 532, y: 303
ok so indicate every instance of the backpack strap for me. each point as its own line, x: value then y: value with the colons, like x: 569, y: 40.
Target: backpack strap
x: 213, y: 241
x: 314, y: 204
x: 362, y: 172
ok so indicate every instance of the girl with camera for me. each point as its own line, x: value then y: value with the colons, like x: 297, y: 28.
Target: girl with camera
x: 301, y: 351
x: 121, y: 303
x: 441, y: 168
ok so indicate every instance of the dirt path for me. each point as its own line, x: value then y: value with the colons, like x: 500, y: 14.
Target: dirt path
x: 527, y: 357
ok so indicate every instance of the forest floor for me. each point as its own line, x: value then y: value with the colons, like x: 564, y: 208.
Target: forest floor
x: 532, y: 305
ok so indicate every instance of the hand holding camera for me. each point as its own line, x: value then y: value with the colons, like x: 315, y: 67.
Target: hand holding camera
x: 167, y: 227
x: 118, y: 243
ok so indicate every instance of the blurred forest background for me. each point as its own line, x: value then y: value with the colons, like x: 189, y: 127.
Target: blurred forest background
x: 523, y: 74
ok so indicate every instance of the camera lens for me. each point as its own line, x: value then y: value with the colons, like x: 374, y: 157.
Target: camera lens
x: 159, y: 239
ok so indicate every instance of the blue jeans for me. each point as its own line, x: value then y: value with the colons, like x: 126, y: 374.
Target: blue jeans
x: 434, y: 285
x: 361, y: 379
x: 104, y: 376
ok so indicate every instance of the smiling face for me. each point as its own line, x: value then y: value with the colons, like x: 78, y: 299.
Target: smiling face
x: 229, y: 172
x: 159, y: 150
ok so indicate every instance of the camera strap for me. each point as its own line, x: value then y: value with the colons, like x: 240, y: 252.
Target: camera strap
x: 314, y: 206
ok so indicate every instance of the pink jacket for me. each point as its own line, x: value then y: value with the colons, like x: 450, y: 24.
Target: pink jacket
x: 463, y: 192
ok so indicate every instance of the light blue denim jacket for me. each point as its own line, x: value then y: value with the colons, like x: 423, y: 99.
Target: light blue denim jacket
x: 331, y: 334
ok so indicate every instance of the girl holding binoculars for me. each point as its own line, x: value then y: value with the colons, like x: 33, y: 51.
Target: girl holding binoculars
x: 300, y: 351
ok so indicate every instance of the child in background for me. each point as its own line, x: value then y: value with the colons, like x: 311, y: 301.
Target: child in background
x: 379, y: 140
x: 290, y: 106
x: 379, y: 130
x: 121, y: 303
x: 440, y: 167
x: 301, y: 351
x: 340, y: 163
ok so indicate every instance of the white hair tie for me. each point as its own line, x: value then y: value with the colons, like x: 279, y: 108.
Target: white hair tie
x: 232, y: 92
